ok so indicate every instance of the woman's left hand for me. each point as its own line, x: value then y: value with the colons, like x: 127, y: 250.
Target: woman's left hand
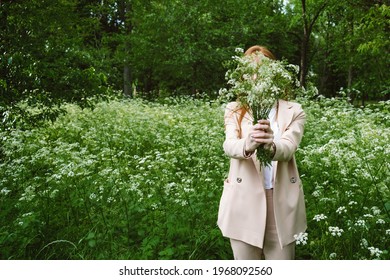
x: 262, y: 132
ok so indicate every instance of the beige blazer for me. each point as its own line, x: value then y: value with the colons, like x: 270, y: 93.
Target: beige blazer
x: 242, y: 208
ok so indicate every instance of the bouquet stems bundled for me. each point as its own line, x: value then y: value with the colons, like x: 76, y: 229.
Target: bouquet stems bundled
x: 262, y: 154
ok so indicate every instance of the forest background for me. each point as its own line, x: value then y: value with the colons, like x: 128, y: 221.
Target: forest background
x: 69, y: 50
x: 64, y: 64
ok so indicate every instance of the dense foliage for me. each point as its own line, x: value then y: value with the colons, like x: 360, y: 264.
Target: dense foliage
x: 69, y: 50
x: 140, y: 180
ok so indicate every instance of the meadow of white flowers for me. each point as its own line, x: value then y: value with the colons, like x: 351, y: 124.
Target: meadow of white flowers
x: 345, y: 167
x: 141, y: 180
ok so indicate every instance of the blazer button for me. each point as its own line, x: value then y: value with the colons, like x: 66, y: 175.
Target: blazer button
x: 239, y: 180
x: 293, y: 180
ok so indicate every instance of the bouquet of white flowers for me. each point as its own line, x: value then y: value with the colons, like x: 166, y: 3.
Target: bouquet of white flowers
x: 257, y: 83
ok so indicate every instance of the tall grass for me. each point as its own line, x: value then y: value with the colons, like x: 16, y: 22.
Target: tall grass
x: 140, y: 180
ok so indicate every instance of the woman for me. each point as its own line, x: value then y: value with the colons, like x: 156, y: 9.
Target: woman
x: 262, y: 208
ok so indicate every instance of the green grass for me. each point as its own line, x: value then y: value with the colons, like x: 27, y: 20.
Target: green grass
x: 140, y: 180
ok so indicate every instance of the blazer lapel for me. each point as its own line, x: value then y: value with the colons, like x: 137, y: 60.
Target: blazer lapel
x: 284, y: 118
x: 285, y: 115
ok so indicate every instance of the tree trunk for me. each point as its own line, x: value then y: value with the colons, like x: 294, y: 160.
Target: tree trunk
x: 127, y: 88
x: 350, y: 62
x: 304, y: 46
x: 303, y: 62
x: 126, y: 10
x: 307, y: 29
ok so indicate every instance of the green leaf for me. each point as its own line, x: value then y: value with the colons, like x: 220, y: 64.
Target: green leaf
x: 92, y: 243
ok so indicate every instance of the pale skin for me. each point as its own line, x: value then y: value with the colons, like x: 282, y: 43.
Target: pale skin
x: 261, y: 133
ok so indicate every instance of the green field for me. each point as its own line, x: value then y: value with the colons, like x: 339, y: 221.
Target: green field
x: 142, y: 180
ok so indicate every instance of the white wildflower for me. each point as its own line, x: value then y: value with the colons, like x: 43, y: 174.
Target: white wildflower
x: 360, y: 223
x: 336, y: 231
x: 375, y: 210
x: 332, y: 256
x: 5, y: 191
x: 181, y: 202
x: 301, y: 238
x: 380, y: 222
x: 319, y: 217
x: 29, y: 194
x: 53, y: 194
x: 375, y: 251
x: 341, y: 210
x: 27, y: 214
x: 368, y: 216
x: 316, y: 193
x: 326, y: 199
x: 364, y: 243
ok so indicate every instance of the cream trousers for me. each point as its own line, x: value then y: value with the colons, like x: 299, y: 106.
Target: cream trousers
x: 271, y: 250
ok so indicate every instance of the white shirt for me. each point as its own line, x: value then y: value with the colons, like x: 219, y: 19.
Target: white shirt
x: 269, y: 170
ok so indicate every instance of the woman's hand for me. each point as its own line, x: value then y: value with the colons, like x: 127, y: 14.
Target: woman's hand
x: 261, y: 133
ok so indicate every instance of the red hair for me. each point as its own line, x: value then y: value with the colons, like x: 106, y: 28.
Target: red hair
x: 254, y: 49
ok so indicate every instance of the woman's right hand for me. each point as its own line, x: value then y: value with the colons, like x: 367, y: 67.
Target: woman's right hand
x: 261, y: 133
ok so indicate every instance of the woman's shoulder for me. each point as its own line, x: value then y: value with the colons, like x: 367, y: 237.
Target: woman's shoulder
x: 291, y: 104
x: 234, y: 105
x: 234, y: 109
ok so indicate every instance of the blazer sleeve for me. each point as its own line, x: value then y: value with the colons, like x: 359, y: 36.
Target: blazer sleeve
x: 234, y: 145
x: 291, y: 137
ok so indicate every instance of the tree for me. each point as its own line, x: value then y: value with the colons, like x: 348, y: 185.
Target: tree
x: 182, y: 45
x: 43, y: 59
x: 373, y: 31
x: 352, y: 43
x: 304, y: 15
x: 85, y: 47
